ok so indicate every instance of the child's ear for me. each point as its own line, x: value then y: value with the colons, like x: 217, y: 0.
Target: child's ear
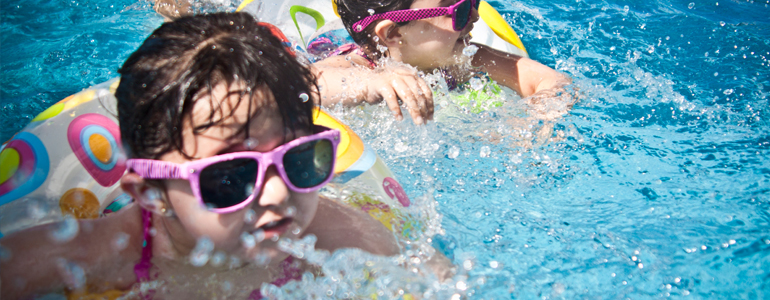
x: 146, y: 195
x: 388, y: 33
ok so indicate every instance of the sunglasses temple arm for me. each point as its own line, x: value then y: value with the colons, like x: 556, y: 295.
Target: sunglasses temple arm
x: 155, y: 169
x: 401, y: 16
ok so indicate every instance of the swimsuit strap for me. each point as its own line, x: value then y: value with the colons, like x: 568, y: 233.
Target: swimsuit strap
x: 142, y: 269
x: 289, y: 272
x: 354, y: 49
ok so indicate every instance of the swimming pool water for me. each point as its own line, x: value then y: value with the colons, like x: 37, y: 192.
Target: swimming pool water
x: 656, y: 184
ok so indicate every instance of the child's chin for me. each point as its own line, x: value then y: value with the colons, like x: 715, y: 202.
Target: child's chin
x: 263, y: 255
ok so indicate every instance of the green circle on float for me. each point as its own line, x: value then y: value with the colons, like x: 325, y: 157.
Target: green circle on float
x: 50, y: 112
x: 9, y: 163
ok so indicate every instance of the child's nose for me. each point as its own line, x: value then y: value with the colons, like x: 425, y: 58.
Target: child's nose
x: 274, y: 190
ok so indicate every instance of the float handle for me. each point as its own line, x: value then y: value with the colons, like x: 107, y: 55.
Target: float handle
x: 317, y: 16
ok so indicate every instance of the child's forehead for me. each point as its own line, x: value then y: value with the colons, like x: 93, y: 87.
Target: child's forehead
x: 235, y: 103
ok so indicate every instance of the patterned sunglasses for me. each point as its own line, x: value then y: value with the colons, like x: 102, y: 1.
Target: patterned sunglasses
x: 228, y: 182
x: 460, y: 11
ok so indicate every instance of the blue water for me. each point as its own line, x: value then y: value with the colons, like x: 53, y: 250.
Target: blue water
x: 655, y: 185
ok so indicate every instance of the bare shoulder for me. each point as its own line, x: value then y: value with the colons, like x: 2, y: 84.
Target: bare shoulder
x: 101, y: 248
x: 342, y: 61
x: 340, y: 226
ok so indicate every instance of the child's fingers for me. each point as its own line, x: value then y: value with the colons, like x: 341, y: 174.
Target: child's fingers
x: 428, y: 95
x: 405, y: 93
x: 421, y: 101
x: 389, y: 95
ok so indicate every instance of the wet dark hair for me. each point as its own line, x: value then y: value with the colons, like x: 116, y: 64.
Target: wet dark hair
x: 352, y: 11
x: 185, y: 59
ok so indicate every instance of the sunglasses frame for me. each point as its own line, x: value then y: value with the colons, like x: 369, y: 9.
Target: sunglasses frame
x: 405, y: 15
x: 191, y: 171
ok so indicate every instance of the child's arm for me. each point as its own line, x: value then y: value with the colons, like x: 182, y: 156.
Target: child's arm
x: 38, y: 264
x: 521, y: 74
x: 340, y: 226
x: 351, y: 83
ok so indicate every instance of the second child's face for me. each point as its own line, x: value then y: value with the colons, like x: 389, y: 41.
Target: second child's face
x: 276, y: 210
x: 432, y: 43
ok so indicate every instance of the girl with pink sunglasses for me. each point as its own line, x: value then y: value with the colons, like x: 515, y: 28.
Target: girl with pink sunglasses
x: 429, y: 35
x: 223, y: 162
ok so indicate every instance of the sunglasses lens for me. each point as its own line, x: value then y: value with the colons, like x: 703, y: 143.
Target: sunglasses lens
x: 462, y: 14
x: 309, y: 164
x: 228, y: 183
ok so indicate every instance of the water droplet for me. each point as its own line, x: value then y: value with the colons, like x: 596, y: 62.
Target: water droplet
x: 259, y: 235
x: 304, y: 97
x: 376, y: 39
x: 65, y: 230
x: 370, y: 11
x: 347, y: 57
x: 485, y: 151
x: 260, y: 52
x: 453, y: 152
x: 218, y: 259
x: 722, y: 23
x: 247, y: 240
x: 235, y: 262
x: 250, y: 216
x: 202, y: 251
x: 213, y: 46
x: 120, y: 241
x: 470, y: 50
x: 296, y: 230
x: 691, y: 5
x: 461, y: 285
x: 290, y: 211
x: 728, y: 91
x: 262, y: 259
x: 476, y: 83
x: 494, y: 264
x: 74, y: 275
x: 36, y: 211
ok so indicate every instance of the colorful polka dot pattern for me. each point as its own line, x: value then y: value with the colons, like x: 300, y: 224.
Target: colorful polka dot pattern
x: 95, y: 140
x: 24, y: 166
x: 79, y: 203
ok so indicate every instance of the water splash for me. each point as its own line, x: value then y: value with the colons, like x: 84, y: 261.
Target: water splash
x: 200, y: 255
x: 65, y: 231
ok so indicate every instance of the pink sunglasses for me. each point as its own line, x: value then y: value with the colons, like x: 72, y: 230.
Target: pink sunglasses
x: 229, y: 182
x: 460, y: 11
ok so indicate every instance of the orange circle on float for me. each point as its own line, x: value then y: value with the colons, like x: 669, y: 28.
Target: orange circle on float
x: 100, y: 147
x: 9, y: 163
x: 80, y: 203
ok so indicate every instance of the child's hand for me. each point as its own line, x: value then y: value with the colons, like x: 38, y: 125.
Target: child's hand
x: 401, y: 84
x: 350, y: 82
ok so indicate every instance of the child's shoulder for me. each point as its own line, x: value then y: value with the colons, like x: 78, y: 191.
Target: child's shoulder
x: 338, y: 226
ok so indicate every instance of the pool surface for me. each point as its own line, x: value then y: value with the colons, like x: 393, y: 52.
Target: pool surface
x: 656, y: 184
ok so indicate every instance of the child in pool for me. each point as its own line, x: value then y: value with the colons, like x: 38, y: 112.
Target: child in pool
x: 215, y: 99
x: 429, y: 39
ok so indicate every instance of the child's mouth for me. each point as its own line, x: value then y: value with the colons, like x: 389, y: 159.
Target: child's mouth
x: 276, y: 228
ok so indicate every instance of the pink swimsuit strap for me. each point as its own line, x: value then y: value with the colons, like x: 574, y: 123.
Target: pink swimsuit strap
x: 142, y: 269
x: 289, y: 271
x: 353, y: 48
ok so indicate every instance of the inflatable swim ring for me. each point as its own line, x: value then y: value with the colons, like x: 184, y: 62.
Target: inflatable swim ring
x: 304, y: 20
x: 69, y: 159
